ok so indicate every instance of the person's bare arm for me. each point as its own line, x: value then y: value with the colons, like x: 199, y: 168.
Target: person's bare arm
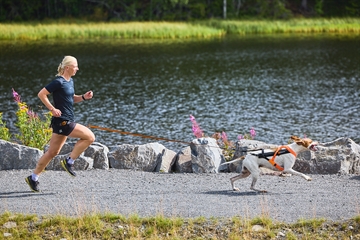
x: 87, y: 96
x: 43, y: 95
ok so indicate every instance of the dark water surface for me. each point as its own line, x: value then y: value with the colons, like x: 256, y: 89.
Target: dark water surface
x: 280, y: 86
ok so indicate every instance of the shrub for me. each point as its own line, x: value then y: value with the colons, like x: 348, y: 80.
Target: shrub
x: 34, y: 130
x: 4, y: 131
x: 224, y: 143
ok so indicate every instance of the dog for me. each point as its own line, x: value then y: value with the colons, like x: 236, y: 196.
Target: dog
x: 282, y: 159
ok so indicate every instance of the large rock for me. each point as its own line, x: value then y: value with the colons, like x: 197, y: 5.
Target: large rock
x: 206, y: 156
x: 339, y: 156
x: 99, y: 153
x: 245, y: 146
x: 16, y: 156
x: 183, y: 161
x: 167, y: 161
x: 95, y: 156
x: 148, y: 157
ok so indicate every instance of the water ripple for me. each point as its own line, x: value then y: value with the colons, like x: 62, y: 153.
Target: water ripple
x: 280, y: 87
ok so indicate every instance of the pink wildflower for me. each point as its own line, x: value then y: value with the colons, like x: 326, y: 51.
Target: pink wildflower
x: 196, y: 128
x: 16, y: 96
x: 252, y: 133
x: 225, y: 138
x: 31, y: 114
x: 240, y: 137
x: 192, y: 118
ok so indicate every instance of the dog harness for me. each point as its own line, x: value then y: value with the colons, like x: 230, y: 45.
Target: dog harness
x: 279, y: 151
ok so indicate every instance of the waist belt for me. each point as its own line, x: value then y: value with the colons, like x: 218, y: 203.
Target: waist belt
x: 60, y: 122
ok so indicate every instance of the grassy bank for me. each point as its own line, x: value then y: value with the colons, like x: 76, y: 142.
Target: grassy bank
x: 173, y: 30
x: 131, y: 30
x: 337, y: 25
x: 110, y: 226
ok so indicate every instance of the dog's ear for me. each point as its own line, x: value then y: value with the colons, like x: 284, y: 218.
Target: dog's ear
x: 305, y: 142
x: 295, y: 138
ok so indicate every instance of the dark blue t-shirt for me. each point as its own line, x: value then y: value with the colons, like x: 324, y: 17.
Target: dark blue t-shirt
x: 63, y: 96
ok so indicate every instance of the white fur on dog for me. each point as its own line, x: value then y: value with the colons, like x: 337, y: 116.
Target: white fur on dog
x: 251, y: 163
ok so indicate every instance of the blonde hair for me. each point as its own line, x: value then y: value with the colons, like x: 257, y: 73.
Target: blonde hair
x: 65, y: 62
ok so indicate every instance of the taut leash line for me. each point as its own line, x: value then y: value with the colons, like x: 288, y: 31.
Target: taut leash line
x: 136, y: 134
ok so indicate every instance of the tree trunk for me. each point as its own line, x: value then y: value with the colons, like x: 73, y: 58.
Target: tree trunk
x: 224, y: 9
x: 238, y: 6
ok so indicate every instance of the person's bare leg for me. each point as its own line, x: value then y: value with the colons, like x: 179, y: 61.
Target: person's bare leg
x: 56, y: 143
x: 86, y: 136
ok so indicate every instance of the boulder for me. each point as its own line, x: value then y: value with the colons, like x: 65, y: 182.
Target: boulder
x: 167, y: 161
x: 151, y: 157
x: 183, y: 161
x: 243, y: 147
x: 95, y: 156
x: 341, y: 156
x: 206, y: 156
x: 16, y: 156
x: 99, y: 153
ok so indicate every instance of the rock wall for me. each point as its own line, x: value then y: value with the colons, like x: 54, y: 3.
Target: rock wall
x: 341, y: 156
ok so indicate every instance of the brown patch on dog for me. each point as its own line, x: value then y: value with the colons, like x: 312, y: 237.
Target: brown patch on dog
x: 306, y: 142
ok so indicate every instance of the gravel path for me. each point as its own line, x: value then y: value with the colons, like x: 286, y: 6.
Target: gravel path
x: 127, y: 192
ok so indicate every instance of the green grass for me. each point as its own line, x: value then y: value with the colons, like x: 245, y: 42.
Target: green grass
x: 336, y: 25
x: 111, y: 226
x: 131, y: 30
x: 173, y: 30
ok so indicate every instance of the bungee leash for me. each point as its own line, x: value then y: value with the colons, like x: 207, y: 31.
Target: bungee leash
x: 153, y: 137
x: 136, y: 134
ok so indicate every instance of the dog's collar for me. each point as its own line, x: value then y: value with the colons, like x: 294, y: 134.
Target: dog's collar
x: 272, y: 160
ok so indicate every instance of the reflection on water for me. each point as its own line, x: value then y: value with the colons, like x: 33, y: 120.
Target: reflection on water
x: 280, y: 86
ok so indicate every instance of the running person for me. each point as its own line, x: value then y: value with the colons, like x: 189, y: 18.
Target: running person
x: 62, y: 122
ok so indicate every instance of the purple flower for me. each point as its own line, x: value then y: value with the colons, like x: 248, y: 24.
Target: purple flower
x: 31, y: 114
x: 224, y: 137
x: 196, y: 128
x: 16, y: 96
x: 252, y: 133
x: 240, y: 137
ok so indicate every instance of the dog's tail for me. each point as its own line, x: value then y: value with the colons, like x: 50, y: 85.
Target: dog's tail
x: 235, y: 160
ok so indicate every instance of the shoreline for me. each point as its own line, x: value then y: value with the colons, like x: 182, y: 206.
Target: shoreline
x: 174, y: 30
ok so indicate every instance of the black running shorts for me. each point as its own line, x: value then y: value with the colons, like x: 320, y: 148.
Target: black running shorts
x: 62, y: 127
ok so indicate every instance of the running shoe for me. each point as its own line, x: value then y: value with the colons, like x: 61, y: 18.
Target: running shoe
x: 32, y: 184
x: 68, y: 167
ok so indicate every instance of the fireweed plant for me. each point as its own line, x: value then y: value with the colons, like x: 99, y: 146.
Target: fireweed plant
x: 34, y: 130
x: 227, y: 146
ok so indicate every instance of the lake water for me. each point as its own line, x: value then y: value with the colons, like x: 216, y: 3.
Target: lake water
x: 293, y: 85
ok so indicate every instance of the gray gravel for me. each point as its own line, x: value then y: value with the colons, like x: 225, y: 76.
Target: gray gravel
x: 127, y: 192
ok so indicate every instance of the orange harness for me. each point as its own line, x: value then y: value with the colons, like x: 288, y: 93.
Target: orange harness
x: 272, y: 160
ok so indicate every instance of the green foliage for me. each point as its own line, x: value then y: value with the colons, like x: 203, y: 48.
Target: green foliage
x: 34, y: 131
x: 312, y: 223
x: 135, y: 30
x: 353, y: 9
x: 319, y: 7
x: 264, y: 221
x: 333, y: 25
x: 95, y: 226
x: 4, y: 131
x: 273, y: 9
x: 175, y: 10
